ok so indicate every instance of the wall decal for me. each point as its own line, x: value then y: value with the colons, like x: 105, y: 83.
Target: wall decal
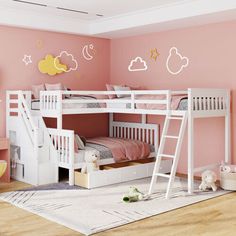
x: 27, y: 60
x: 85, y: 51
x: 138, y: 64
x: 184, y: 61
x: 72, y: 64
x: 47, y: 65
x: 154, y: 54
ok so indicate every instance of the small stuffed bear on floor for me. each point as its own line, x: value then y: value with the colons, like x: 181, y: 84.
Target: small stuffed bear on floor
x: 208, y: 181
x: 91, y: 161
x: 133, y: 195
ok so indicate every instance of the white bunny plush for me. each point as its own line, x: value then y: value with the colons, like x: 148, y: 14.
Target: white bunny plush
x: 91, y: 161
x: 208, y: 181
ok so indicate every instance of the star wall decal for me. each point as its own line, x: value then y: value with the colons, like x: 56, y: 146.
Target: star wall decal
x: 27, y: 60
x: 154, y: 54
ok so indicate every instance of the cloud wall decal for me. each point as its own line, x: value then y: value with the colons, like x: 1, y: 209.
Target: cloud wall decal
x: 138, y: 64
x: 70, y: 58
x: 47, y: 65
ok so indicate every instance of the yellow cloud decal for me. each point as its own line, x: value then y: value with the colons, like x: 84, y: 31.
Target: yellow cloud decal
x: 47, y: 66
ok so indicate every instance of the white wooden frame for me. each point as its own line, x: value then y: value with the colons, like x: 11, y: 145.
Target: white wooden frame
x: 202, y: 103
x: 63, y: 141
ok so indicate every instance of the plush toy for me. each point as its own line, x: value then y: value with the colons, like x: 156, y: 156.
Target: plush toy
x: 227, y: 168
x: 133, y: 195
x: 208, y: 181
x: 91, y: 161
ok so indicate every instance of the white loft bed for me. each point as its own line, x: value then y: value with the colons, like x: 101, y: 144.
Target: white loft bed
x: 202, y: 103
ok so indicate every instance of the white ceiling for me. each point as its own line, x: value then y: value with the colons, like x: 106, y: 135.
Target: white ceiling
x: 117, y: 18
x: 88, y: 9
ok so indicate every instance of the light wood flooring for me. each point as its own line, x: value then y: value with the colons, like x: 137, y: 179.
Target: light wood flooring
x: 212, y: 217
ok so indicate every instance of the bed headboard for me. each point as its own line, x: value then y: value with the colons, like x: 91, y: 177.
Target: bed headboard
x: 148, y: 133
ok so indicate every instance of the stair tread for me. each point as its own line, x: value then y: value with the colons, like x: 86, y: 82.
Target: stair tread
x: 174, y: 118
x: 166, y: 155
x: 171, y: 136
x: 162, y: 175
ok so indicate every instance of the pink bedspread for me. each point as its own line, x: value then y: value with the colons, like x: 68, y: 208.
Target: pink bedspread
x: 175, y: 100
x: 124, y: 149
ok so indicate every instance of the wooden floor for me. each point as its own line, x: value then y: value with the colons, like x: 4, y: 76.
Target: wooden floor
x: 212, y: 217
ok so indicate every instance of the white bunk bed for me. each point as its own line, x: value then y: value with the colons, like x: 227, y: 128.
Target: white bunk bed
x: 201, y: 103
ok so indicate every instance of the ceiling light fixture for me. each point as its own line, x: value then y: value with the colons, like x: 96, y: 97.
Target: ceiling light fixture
x: 67, y: 9
x: 31, y: 3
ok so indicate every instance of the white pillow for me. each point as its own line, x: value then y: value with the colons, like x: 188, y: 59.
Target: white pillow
x: 54, y: 86
x: 121, y: 88
x: 79, y: 142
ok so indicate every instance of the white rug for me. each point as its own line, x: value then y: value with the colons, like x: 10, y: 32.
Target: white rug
x: 91, y: 211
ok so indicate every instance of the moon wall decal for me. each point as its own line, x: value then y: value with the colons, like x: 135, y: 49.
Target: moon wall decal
x: 85, y: 51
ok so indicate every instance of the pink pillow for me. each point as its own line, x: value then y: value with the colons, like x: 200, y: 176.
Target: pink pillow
x: 54, y: 86
x: 36, y: 90
x: 110, y: 88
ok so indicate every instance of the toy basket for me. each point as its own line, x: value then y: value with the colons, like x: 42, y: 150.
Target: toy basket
x: 228, y: 181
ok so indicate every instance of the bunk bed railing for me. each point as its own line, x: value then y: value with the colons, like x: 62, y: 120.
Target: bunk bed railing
x: 51, y: 103
x: 209, y: 102
x: 17, y: 106
x: 63, y: 143
x: 54, y: 103
x: 201, y: 102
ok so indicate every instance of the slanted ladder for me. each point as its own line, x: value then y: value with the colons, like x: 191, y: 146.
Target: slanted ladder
x: 156, y: 172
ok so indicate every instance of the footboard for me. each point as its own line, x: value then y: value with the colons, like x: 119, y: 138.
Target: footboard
x: 63, y: 142
x: 51, y: 103
x: 208, y: 102
x: 148, y: 133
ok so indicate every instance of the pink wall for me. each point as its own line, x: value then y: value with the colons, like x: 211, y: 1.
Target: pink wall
x: 211, y: 50
x: 91, y: 75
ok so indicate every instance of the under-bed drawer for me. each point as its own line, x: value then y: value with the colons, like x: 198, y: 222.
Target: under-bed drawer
x: 117, y: 173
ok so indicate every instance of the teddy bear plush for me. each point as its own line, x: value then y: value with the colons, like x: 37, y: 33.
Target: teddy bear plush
x: 91, y: 161
x: 208, y: 181
x: 133, y: 195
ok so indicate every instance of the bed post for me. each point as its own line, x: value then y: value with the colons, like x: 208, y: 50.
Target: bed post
x: 144, y: 118
x: 59, y: 108
x: 111, y: 118
x: 59, y: 122
x: 227, y: 131
x: 190, y: 143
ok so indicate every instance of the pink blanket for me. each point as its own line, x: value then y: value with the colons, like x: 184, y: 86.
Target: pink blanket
x: 175, y: 100
x: 124, y: 149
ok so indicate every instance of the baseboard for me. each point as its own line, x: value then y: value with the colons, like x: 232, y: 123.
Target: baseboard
x: 199, y: 178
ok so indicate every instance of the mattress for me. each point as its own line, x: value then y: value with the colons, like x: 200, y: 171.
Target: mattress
x: 104, y: 152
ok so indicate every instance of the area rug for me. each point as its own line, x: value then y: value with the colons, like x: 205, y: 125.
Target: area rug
x: 92, y: 211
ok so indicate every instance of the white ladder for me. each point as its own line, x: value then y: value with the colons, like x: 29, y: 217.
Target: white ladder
x: 175, y: 156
